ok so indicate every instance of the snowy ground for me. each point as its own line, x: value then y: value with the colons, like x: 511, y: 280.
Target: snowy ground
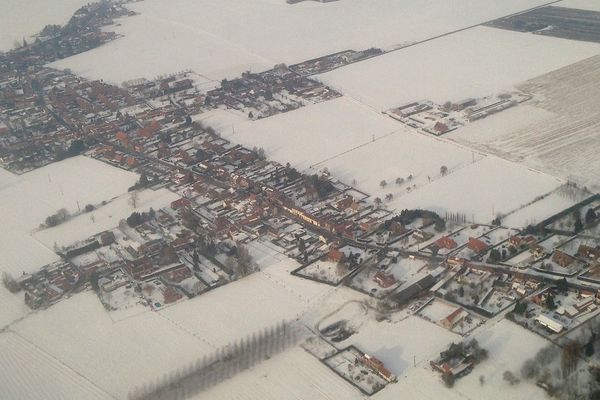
x: 294, y: 375
x: 559, y: 135
x: 241, y: 308
x: 314, y: 133
x: 50, y: 379
x: 224, y: 38
x: 20, y: 19
x: 103, y: 218
x: 474, y: 63
x: 117, y: 356
x: 26, y: 203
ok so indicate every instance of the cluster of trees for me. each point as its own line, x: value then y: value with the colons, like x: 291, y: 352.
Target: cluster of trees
x: 76, y: 147
x: 241, y: 261
x: 221, y: 365
x: 143, y: 182
x: 58, y: 218
x: 322, y: 185
x: 408, y: 216
x: 10, y: 283
x: 136, y: 218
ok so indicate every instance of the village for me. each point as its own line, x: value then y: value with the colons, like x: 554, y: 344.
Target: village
x: 444, y: 270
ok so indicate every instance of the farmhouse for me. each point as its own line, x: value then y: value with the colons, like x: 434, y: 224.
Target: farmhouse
x: 477, y: 245
x: 549, y: 323
x: 446, y: 243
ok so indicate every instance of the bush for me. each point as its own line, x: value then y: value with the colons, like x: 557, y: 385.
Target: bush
x: 10, y: 283
x: 135, y: 219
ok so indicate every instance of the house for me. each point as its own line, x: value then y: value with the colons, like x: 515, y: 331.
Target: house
x: 537, y: 251
x: 384, y: 280
x: 477, y: 245
x: 592, y: 253
x: 453, y: 318
x: 562, y: 259
x: 181, y: 203
x: 549, y: 323
x: 440, y: 128
x: 445, y: 243
x: 378, y: 367
x: 336, y: 256
x: 518, y: 241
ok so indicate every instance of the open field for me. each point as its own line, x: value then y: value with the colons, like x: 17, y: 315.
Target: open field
x: 565, y: 142
x: 313, y: 133
x: 103, y: 218
x: 20, y: 19
x: 50, y: 379
x: 473, y: 63
x: 294, y: 375
x: 27, y: 201
x: 209, y: 38
x: 117, y: 356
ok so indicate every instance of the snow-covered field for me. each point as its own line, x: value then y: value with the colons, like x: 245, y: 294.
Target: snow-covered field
x: 27, y: 201
x: 482, y: 190
x: 28, y: 373
x: 20, y: 19
x: 224, y: 38
x: 313, y: 133
x: 293, y: 375
x: 474, y: 63
x: 103, y: 218
x: 247, y: 306
x: 116, y: 356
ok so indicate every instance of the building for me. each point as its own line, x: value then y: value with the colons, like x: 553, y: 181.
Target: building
x: 378, y: 367
x: 446, y: 243
x: 549, y: 323
x: 477, y: 245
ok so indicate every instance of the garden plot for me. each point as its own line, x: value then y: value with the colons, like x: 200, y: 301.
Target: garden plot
x: 479, y: 290
x: 347, y: 364
x: 390, y: 273
x: 504, y: 59
x: 450, y: 317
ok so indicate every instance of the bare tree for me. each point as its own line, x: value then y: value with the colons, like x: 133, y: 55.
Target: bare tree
x: 133, y: 199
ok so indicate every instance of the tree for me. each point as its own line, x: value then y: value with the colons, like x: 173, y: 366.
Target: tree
x: 570, y: 357
x: 510, y: 377
x: 135, y: 219
x: 10, y: 283
x: 443, y: 170
x: 520, y: 307
x: 590, y: 216
x: 133, y: 199
x: 76, y: 147
x: 383, y: 183
x: 89, y: 208
x: 399, y: 181
x: 550, y: 305
x: 562, y: 285
x: 377, y: 201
